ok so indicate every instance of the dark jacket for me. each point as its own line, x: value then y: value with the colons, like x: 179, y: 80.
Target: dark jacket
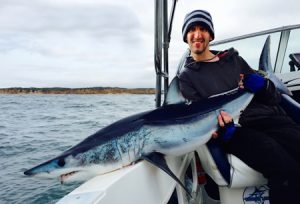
x: 200, y: 80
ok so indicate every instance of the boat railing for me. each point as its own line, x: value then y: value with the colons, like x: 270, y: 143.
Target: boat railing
x: 265, y: 32
x: 282, y: 44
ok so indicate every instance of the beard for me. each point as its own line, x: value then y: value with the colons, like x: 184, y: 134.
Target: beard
x: 199, y: 52
x: 201, y: 49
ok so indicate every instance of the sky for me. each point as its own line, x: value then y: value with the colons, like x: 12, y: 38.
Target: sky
x: 89, y: 43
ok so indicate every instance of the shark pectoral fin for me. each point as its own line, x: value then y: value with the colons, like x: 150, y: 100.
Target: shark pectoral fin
x: 158, y: 160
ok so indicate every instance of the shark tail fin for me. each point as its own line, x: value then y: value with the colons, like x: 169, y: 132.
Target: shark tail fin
x: 266, y: 66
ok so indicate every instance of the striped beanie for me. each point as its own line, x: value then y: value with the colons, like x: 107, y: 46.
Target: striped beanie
x: 197, y: 17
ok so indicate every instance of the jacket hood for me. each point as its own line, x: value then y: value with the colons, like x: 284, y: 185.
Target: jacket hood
x: 223, y: 56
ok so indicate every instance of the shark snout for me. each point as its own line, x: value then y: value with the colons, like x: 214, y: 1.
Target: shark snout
x: 29, y: 173
x: 46, y: 167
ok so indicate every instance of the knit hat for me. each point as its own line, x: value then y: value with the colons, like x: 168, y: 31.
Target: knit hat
x: 197, y: 17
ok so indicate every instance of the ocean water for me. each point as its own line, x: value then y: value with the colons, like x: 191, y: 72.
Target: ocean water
x: 35, y: 128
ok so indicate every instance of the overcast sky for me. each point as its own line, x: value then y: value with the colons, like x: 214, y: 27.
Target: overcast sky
x: 86, y: 43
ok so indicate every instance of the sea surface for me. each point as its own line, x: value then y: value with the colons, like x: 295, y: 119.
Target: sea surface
x: 35, y: 128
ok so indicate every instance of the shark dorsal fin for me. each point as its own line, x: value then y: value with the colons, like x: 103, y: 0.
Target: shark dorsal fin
x: 265, y: 65
x: 174, y: 95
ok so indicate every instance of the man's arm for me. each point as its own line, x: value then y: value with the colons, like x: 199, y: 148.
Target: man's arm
x: 263, y: 88
x: 252, y: 79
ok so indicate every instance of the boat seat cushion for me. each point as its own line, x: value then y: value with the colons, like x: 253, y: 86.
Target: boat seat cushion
x: 227, y: 169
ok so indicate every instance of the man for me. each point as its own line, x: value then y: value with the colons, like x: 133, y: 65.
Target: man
x: 268, y: 140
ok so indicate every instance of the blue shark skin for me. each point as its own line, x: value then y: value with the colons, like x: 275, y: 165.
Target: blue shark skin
x: 173, y: 129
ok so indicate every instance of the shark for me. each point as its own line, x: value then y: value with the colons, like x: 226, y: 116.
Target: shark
x: 175, y: 129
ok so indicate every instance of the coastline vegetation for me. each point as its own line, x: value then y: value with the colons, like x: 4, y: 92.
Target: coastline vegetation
x: 90, y: 90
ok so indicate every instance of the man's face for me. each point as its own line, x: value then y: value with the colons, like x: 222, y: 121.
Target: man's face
x: 198, y: 39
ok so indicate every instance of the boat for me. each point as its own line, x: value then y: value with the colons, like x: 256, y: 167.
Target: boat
x: 199, y: 170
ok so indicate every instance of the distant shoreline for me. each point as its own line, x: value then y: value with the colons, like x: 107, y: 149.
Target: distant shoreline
x: 91, y: 90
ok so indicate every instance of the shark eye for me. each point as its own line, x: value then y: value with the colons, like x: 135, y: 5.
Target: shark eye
x: 61, y: 162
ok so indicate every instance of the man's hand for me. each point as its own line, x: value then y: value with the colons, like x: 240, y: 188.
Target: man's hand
x: 241, y: 82
x: 252, y: 82
x: 226, y: 126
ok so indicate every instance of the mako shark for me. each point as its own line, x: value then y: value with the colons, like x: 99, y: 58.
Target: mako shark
x: 176, y: 128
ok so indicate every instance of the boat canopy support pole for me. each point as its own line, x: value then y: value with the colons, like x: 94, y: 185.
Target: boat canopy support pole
x: 161, y: 46
x: 158, y: 49
x: 283, y: 42
x: 165, y: 47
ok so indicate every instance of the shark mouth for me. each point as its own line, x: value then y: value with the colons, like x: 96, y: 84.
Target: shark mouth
x: 64, y: 177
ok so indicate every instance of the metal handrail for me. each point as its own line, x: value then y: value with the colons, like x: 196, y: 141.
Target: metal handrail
x: 282, y: 45
x: 274, y: 30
